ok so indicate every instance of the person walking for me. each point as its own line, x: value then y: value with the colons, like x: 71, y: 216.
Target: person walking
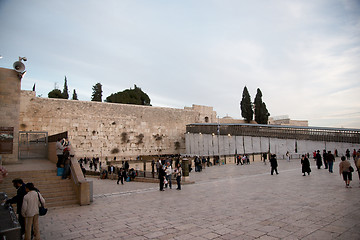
x: 347, y: 154
x: 305, y: 165
x: 273, y: 164
x: 288, y: 156
x: 30, y: 211
x: 265, y: 157
x: 345, y: 170
x: 121, y: 175
x: 178, y: 173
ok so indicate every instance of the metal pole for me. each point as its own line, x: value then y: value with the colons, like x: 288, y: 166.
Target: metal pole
x: 218, y: 132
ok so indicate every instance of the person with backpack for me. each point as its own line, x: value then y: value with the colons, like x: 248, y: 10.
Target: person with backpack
x: 346, y: 170
x: 30, y: 211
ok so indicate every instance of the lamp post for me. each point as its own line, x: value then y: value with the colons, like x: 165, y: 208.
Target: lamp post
x: 218, y: 133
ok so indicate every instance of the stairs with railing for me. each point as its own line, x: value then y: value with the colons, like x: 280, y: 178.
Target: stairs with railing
x: 56, y: 191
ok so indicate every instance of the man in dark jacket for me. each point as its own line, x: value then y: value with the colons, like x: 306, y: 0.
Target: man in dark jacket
x: 330, y: 160
x: 161, y: 177
x: 318, y: 159
x: 273, y: 163
x: 325, y: 159
x: 18, y: 199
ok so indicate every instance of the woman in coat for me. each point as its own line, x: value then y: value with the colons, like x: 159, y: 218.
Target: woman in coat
x: 318, y: 160
x: 305, y: 165
x: 30, y: 211
x: 178, y: 172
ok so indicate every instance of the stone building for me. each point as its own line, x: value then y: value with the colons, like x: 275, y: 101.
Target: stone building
x: 286, y: 121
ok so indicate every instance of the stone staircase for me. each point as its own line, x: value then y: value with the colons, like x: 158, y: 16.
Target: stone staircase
x: 56, y: 191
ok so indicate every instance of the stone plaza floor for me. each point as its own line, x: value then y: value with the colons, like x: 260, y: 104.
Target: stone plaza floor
x: 225, y: 202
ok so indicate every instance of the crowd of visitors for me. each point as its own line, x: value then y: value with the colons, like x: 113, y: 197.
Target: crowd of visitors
x: 328, y: 158
x: 242, y: 159
x: 166, y: 172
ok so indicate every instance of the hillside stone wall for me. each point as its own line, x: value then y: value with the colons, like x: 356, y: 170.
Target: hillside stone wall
x: 109, y: 129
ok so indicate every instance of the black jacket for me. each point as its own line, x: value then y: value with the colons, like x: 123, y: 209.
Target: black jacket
x: 161, y: 173
x: 273, y: 162
x: 18, y: 199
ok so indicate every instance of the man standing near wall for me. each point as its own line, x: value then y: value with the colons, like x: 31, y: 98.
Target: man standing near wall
x: 59, y: 152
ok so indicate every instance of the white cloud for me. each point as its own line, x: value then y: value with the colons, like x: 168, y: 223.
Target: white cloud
x: 303, y: 55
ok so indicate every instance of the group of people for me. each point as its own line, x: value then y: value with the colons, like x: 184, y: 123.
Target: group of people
x: 242, y: 159
x: 200, y: 163
x: 64, y: 151
x: 94, y: 162
x: 27, y: 200
x: 165, y: 173
x: 126, y: 174
x: 327, y: 159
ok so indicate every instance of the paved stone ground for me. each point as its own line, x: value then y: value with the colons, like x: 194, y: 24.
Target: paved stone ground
x: 226, y: 202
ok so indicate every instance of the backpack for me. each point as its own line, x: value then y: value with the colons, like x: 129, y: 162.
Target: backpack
x: 358, y: 163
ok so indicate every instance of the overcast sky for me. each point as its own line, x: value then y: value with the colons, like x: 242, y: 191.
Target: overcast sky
x: 304, y: 55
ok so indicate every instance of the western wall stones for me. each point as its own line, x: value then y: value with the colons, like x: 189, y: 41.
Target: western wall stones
x: 96, y: 128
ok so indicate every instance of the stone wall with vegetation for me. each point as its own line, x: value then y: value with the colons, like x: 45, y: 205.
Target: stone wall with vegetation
x: 109, y: 129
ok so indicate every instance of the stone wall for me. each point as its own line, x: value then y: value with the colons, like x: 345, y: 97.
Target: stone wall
x: 10, y: 85
x: 101, y: 129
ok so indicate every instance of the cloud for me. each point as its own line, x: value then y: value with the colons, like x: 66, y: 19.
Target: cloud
x: 303, y: 55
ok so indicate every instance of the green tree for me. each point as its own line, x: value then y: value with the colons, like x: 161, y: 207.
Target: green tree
x: 97, y: 93
x: 65, y: 92
x: 130, y: 96
x: 246, y: 106
x: 261, y: 112
x: 74, y: 97
x: 56, y: 93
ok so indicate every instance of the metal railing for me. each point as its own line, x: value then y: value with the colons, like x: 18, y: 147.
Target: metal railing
x: 277, y: 131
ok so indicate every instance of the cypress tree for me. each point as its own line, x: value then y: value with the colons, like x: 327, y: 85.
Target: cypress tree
x: 246, y: 106
x: 97, y: 93
x: 74, y: 97
x: 65, y: 92
x: 261, y: 112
